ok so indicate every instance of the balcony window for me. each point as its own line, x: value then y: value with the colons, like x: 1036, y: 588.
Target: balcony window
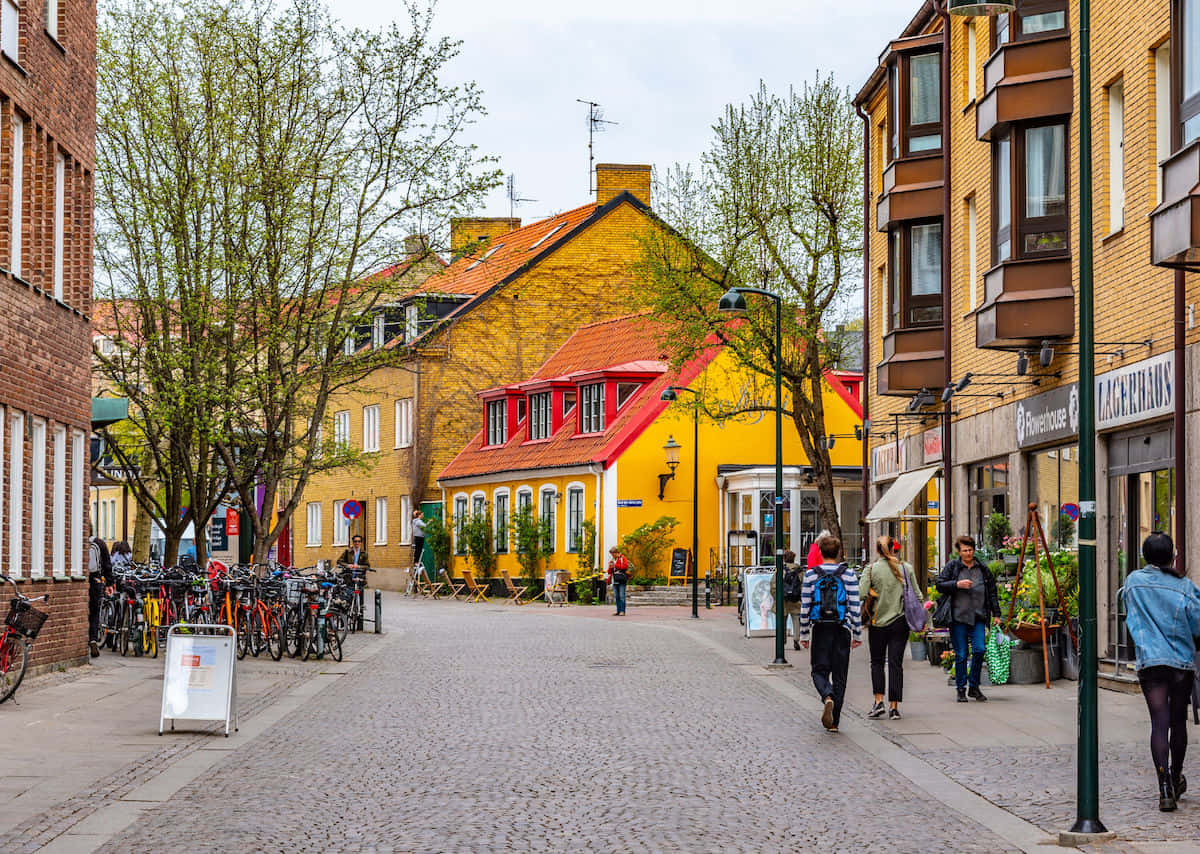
x: 1030, y: 177
x: 915, y: 108
x: 1035, y: 19
x: 916, y: 275
x: 1187, y: 70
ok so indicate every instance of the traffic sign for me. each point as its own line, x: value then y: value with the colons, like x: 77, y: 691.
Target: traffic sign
x: 1071, y: 511
x: 352, y: 509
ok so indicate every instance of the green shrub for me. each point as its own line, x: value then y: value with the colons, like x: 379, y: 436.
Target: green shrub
x: 477, y: 534
x: 437, y: 538
x: 646, y: 546
x: 531, y: 539
x: 997, y: 529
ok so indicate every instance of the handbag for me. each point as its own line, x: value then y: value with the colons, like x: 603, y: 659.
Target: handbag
x: 867, y: 612
x: 914, y: 609
x: 942, y: 613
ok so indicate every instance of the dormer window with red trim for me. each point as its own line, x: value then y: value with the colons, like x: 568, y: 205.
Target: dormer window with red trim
x: 497, y: 422
x: 625, y: 391
x: 591, y: 412
x: 568, y: 400
x: 540, y: 415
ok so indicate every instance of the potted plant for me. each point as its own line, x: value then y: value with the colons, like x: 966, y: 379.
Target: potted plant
x: 916, y: 644
x: 997, y: 530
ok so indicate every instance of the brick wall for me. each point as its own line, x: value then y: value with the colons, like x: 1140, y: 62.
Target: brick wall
x: 46, y: 341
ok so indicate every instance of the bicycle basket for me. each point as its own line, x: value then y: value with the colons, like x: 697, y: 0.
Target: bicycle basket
x: 292, y: 586
x: 24, y: 619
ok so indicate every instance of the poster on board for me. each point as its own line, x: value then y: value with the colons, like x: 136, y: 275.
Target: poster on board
x: 199, y: 682
x: 760, y: 603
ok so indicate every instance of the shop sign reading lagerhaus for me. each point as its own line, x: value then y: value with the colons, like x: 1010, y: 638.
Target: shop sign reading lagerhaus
x: 1049, y: 417
x: 1136, y: 392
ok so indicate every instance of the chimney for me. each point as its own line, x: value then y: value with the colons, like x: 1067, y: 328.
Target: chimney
x: 416, y: 245
x: 614, y: 178
x: 473, y: 232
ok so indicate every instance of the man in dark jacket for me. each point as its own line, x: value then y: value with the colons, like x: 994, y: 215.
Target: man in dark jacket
x: 973, y: 601
x: 100, y: 577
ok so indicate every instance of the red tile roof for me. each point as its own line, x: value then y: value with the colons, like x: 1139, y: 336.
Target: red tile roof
x: 627, y: 344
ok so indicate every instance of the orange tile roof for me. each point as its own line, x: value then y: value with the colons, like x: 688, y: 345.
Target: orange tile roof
x: 629, y: 344
x: 476, y: 272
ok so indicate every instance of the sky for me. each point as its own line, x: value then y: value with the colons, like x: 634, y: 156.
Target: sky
x: 663, y: 70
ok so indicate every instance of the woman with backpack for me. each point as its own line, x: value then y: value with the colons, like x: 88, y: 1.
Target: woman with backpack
x: 793, y: 586
x: 885, y: 582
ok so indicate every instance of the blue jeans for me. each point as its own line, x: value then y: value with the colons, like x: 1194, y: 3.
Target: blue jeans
x: 960, y: 634
x: 619, y: 595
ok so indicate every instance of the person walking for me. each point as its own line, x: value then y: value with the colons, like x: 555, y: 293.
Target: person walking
x: 618, y: 576
x: 887, y: 634
x: 1162, y: 613
x: 831, y: 609
x: 122, y: 555
x: 354, y: 557
x: 100, y: 577
x: 793, y: 585
x: 974, y: 600
x: 418, y: 537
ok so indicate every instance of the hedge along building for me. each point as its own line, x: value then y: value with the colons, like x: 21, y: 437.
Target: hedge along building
x: 582, y: 440
x: 973, y: 269
x: 510, y: 297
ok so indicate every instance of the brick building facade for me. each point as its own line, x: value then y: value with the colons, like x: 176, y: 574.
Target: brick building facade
x: 973, y: 275
x: 47, y: 150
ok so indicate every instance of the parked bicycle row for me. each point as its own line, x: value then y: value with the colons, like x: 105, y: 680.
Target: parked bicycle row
x: 273, y: 609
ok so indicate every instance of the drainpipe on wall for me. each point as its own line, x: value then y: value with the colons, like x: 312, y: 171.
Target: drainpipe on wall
x: 864, y: 393
x: 599, y: 544
x: 947, y: 496
x: 1180, y: 421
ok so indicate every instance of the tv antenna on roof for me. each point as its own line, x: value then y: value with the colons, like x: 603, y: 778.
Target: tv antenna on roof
x: 596, y: 123
x: 514, y: 197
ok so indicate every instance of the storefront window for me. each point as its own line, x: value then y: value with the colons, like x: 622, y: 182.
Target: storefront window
x: 988, y: 493
x: 767, y: 522
x: 1053, y: 486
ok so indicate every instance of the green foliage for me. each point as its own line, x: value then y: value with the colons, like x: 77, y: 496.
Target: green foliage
x: 437, y: 537
x: 996, y: 567
x: 477, y: 534
x: 1025, y: 587
x: 586, y: 558
x: 646, y: 546
x: 997, y: 529
x: 531, y: 539
x: 1062, y: 532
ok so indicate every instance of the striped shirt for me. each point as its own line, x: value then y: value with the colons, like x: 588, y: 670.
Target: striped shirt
x: 853, y: 607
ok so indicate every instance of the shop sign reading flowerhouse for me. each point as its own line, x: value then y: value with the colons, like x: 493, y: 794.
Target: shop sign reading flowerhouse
x: 1049, y: 417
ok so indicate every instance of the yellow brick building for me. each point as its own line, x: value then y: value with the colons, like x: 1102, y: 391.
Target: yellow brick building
x: 583, y: 439
x: 509, y: 298
x: 973, y: 271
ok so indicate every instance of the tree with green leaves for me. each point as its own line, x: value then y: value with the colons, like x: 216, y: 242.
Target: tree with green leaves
x: 259, y: 167
x: 775, y: 203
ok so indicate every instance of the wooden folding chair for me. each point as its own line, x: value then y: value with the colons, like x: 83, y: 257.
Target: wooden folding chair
x: 514, y: 592
x: 425, y: 586
x: 453, y: 588
x: 474, y: 591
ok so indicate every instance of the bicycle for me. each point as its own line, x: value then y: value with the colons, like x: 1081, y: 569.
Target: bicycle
x: 21, y: 628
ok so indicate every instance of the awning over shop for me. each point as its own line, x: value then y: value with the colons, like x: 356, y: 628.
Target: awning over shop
x: 901, y: 494
x: 108, y: 410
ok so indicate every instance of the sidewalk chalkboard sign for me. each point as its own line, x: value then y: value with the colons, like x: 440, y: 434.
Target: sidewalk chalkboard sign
x: 679, y: 565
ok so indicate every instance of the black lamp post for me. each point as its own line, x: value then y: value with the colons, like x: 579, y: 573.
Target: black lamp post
x: 671, y: 393
x: 734, y: 302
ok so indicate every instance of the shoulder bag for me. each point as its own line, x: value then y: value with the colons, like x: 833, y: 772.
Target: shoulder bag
x: 914, y: 608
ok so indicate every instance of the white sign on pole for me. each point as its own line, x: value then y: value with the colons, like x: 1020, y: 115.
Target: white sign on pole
x: 200, y: 679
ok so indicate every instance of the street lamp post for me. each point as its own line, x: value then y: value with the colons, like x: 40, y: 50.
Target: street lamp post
x: 1087, y: 783
x: 734, y: 301
x: 671, y: 393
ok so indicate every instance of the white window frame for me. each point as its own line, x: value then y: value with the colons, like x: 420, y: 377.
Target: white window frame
x: 318, y: 441
x: 370, y: 417
x: 551, y: 493
x: 78, y: 463
x: 10, y: 30
x: 37, y: 502
x: 58, y: 504
x: 462, y: 511
x: 498, y: 494
x: 312, y: 533
x: 574, y: 536
x: 341, y: 525
x: 523, y: 492
x: 16, y: 493
x: 497, y: 423
x: 479, y: 503
x: 60, y: 206
x: 972, y: 59
x: 404, y: 422
x: 591, y: 397
x: 411, y: 322
x: 1116, y: 156
x: 541, y: 417
x: 405, y: 520
x: 378, y: 334
x: 51, y: 19
x: 112, y: 519
x: 348, y: 344
x: 381, y: 521
x: 973, y: 251
x: 341, y: 428
x: 18, y: 195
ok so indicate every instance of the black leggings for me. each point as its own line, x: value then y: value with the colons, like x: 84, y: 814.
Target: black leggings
x: 887, y: 644
x: 1168, y: 691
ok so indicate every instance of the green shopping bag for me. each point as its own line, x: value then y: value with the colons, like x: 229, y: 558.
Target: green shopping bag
x: 998, y: 654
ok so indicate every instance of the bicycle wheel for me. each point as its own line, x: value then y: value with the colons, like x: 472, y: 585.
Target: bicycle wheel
x: 14, y: 658
x: 108, y: 617
x: 294, y: 631
x: 241, y: 625
x: 258, y: 632
x: 308, y: 632
x: 276, y: 642
x: 125, y: 630
x: 333, y: 644
x: 340, y: 624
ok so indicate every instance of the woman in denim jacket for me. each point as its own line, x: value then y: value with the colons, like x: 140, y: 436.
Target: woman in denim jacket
x: 1163, y: 617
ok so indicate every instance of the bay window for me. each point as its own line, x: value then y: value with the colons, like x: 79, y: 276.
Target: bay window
x: 915, y: 277
x: 1187, y: 70
x: 1035, y: 19
x: 915, y: 104
x: 1030, y: 179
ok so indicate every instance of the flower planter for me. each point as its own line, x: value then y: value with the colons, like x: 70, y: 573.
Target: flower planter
x: 1031, y: 632
x: 918, y: 649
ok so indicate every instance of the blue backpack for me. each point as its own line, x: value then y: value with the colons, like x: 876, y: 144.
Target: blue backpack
x: 829, y: 600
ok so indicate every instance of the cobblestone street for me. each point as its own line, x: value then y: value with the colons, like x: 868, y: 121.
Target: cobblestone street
x: 485, y: 727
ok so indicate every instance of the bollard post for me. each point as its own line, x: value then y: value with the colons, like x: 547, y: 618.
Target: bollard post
x: 378, y: 612
x: 708, y: 590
